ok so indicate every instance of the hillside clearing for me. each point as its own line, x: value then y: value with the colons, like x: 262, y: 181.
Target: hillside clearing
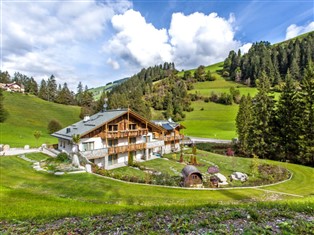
x: 27, y: 114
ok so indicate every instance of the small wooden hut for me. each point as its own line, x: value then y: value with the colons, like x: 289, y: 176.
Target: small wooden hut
x: 192, y: 177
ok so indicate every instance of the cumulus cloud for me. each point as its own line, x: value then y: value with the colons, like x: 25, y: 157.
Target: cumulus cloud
x: 201, y: 39
x: 138, y: 42
x: 49, y: 37
x: 294, y: 30
x: 190, y: 41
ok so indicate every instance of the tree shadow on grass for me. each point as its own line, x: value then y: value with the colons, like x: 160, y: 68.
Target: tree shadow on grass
x: 232, y: 194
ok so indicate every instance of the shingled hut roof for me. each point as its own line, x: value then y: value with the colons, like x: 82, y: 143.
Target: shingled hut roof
x: 190, y: 169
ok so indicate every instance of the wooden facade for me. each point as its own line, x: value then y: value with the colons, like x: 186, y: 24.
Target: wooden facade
x: 112, y: 137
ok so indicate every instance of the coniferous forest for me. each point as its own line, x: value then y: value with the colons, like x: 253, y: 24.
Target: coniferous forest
x: 273, y: 60
x: 280, y: 130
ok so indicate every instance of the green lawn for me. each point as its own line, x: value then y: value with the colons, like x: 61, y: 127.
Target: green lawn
x: 170, y: 165
x: 27, y: 114
x: 211, y: 120
x: 28, y: 194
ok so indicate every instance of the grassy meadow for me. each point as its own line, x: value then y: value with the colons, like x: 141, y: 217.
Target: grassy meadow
x: 210, y: 119
x: 27, y: 114
x: 28, y: 194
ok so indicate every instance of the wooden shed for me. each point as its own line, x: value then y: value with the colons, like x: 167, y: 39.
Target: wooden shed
x: 192, y: 177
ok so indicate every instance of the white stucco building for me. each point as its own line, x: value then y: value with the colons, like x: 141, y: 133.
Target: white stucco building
x: 110, y: 138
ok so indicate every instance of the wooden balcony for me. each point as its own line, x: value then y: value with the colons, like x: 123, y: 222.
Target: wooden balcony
x: 122, y: 134
x: 173, y: 138
x: 125, y: 148
x: 155, y: 144
x: 96, y: 153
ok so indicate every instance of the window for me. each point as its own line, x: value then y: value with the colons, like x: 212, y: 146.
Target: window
x: 194, y: 177
x: 112, y: 142
x: 132, y: 126
x: 112, y: 159
x: 113, y: 127
x: 132, y: 140
x: 88, y: 146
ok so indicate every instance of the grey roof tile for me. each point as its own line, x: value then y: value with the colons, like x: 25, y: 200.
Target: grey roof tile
x: 83, y: 127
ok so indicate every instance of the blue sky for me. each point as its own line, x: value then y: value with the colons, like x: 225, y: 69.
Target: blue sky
x: 97, y: 42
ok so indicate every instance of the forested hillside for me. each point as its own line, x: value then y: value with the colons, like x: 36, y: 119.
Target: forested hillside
x: 275, y: 60
x: 282, y: 130
x: 139, y: 91
x: 164, y: 89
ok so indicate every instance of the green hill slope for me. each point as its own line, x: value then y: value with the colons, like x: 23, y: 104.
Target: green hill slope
x: 27, y: 114
x: 210, y: 119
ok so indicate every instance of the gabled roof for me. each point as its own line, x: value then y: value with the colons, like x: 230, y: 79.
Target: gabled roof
x: 88, y: 124
x: 91, y: 123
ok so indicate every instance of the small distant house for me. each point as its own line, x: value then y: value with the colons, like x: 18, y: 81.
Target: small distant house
x: 13, y: 87
x: 110, y: 138
x: 192, y: 177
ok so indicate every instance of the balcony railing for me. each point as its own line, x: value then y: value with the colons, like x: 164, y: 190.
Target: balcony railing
x: 155, y: 144
x: 125, y: 148
x: 122, y: 134
x: 172, y: 138
x: 96, y: 153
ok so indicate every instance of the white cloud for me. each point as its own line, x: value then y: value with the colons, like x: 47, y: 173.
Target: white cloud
x: 294, y: 30
x: 245, y: 48
x: 201, y: 39
x: 138, y: 42
x: 50, y: 37
x: 190, y: 41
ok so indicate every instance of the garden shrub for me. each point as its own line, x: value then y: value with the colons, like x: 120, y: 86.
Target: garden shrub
x: 62, y: 157
x: 54, y: 126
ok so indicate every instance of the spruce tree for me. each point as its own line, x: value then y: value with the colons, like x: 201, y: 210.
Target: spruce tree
x: 307, y: 136
x: 244, y: 123
x: 43, y: 94
x: 288, y: 120
x: 260, y: 137
x: 51, y: 88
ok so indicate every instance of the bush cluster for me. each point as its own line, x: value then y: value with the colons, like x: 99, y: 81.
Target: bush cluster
x: 271, y: 173
x: 157, y: 179
x: 62, y: 157
x: 54, y: 126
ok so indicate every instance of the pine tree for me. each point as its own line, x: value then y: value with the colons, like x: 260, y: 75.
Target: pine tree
x: 51, y: 88
x: 244, y: 123
x: 5, y: 77
x: 307, y: 137
x: 64, y: 96
x: 260, y: 137
x: 79, y: 94
x: 43, y: 94
x: 288, y: 121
